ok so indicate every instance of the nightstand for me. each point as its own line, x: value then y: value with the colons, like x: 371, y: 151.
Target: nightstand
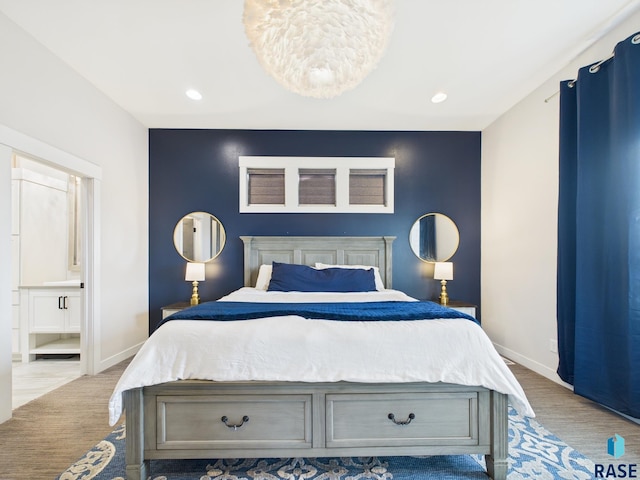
x: 174, y: 308
x: 463, y: 307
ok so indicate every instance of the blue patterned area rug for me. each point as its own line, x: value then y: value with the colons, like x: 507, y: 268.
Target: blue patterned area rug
x: 534, y: 453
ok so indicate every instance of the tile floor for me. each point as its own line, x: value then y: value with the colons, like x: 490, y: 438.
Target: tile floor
x: 33, y: 379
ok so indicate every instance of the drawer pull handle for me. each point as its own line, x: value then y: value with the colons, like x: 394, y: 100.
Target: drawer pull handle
x: 224, y: 420
x: 392, y: 417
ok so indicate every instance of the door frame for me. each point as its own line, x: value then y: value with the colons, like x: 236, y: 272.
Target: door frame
x: 91, y: 175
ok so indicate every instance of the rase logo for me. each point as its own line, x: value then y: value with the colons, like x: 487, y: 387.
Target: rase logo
x: 615, y: 448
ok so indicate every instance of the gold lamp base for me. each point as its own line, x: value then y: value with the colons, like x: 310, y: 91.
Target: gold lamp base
x: 444, y: 297
x: 195, y: 298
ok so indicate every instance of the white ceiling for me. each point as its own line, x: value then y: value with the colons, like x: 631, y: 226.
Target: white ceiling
x: 486, y: 54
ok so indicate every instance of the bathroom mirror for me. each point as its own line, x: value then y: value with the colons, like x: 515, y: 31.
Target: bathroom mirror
x: 74, y: 184
x: 434, y: 237
x: 199, y: 237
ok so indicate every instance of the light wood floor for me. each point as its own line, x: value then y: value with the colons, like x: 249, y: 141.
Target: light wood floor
x: 581, y: 423
x: 48, y: 434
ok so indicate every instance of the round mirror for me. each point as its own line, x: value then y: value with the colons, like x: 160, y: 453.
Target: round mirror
x: 434, y: 237
x: 199, y: 237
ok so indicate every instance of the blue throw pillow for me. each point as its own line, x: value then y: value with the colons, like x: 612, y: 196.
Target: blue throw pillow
x: 287, y: 277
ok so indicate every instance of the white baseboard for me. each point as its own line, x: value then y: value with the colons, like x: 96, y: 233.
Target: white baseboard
x: 532, y: 365
x: 117, y: 358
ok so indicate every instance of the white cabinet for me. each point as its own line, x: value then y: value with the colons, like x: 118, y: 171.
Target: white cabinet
x: 15, y: 298
x: 15, y: 268
x: 50, y: 319
x: 53, y: 310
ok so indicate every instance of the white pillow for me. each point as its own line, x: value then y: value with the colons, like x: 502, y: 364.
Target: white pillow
x: 376, y: 272
x: 264, y: 277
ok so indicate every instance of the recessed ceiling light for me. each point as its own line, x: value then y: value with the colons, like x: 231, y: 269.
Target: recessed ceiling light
x: 193, y: 94
x: 439, y: 97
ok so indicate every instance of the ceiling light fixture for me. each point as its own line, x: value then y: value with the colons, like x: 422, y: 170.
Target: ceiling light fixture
x: 193, y: 94
x: 439, y: 97
x: 318, y: 48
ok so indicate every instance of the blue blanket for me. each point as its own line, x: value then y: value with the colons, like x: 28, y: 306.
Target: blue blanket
x: 347, y: 311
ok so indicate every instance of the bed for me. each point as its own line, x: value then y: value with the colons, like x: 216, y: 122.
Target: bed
x: 289, y: 386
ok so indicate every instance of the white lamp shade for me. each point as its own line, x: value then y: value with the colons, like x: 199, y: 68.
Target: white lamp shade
x: 443, y: 271
x: 195, y: 272
x: 342, y: 42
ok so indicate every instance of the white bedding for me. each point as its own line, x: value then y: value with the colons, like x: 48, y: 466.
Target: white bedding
x: 291, y: 348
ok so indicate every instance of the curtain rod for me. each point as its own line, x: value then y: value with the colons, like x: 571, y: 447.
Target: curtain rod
x: 594, y: 68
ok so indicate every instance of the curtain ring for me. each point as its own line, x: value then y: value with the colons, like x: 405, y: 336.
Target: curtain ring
x: 571, y: 84
x: 636, y: 39
x: 594, y: 68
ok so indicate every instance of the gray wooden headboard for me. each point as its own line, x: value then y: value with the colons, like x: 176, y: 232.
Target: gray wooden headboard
x: 373, y: 251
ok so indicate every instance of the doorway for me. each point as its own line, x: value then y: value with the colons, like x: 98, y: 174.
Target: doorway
x: 13, y: 142
x: 47, y: 293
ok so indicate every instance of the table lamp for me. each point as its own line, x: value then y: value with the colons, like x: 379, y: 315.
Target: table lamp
x: 443, y: 271
x: 195, y: 274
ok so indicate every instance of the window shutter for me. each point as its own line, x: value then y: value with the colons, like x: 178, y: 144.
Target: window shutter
x: 367, y: 187
x: 266, y: 186
x: 317, y: 186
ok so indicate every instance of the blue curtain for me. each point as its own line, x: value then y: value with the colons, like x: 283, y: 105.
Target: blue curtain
x: 598, y: 287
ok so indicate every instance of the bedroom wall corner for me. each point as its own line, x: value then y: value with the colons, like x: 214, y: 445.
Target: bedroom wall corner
x: 45, y: 100
x: 519, y: 197
x: 519, y: 218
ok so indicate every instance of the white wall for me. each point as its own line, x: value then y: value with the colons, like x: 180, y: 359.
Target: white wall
x: 5, y: 285
x: 46, y: 100
x: 519, y: 218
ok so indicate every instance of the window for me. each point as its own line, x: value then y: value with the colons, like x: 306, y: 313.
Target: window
x: 367, y: 187
x: 316, y: 184
x: 266, y: 186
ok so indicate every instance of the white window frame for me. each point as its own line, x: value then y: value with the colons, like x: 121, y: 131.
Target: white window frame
x: 291, y: 165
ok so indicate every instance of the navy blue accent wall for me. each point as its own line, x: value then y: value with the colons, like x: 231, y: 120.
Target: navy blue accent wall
x: 197, y: 170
